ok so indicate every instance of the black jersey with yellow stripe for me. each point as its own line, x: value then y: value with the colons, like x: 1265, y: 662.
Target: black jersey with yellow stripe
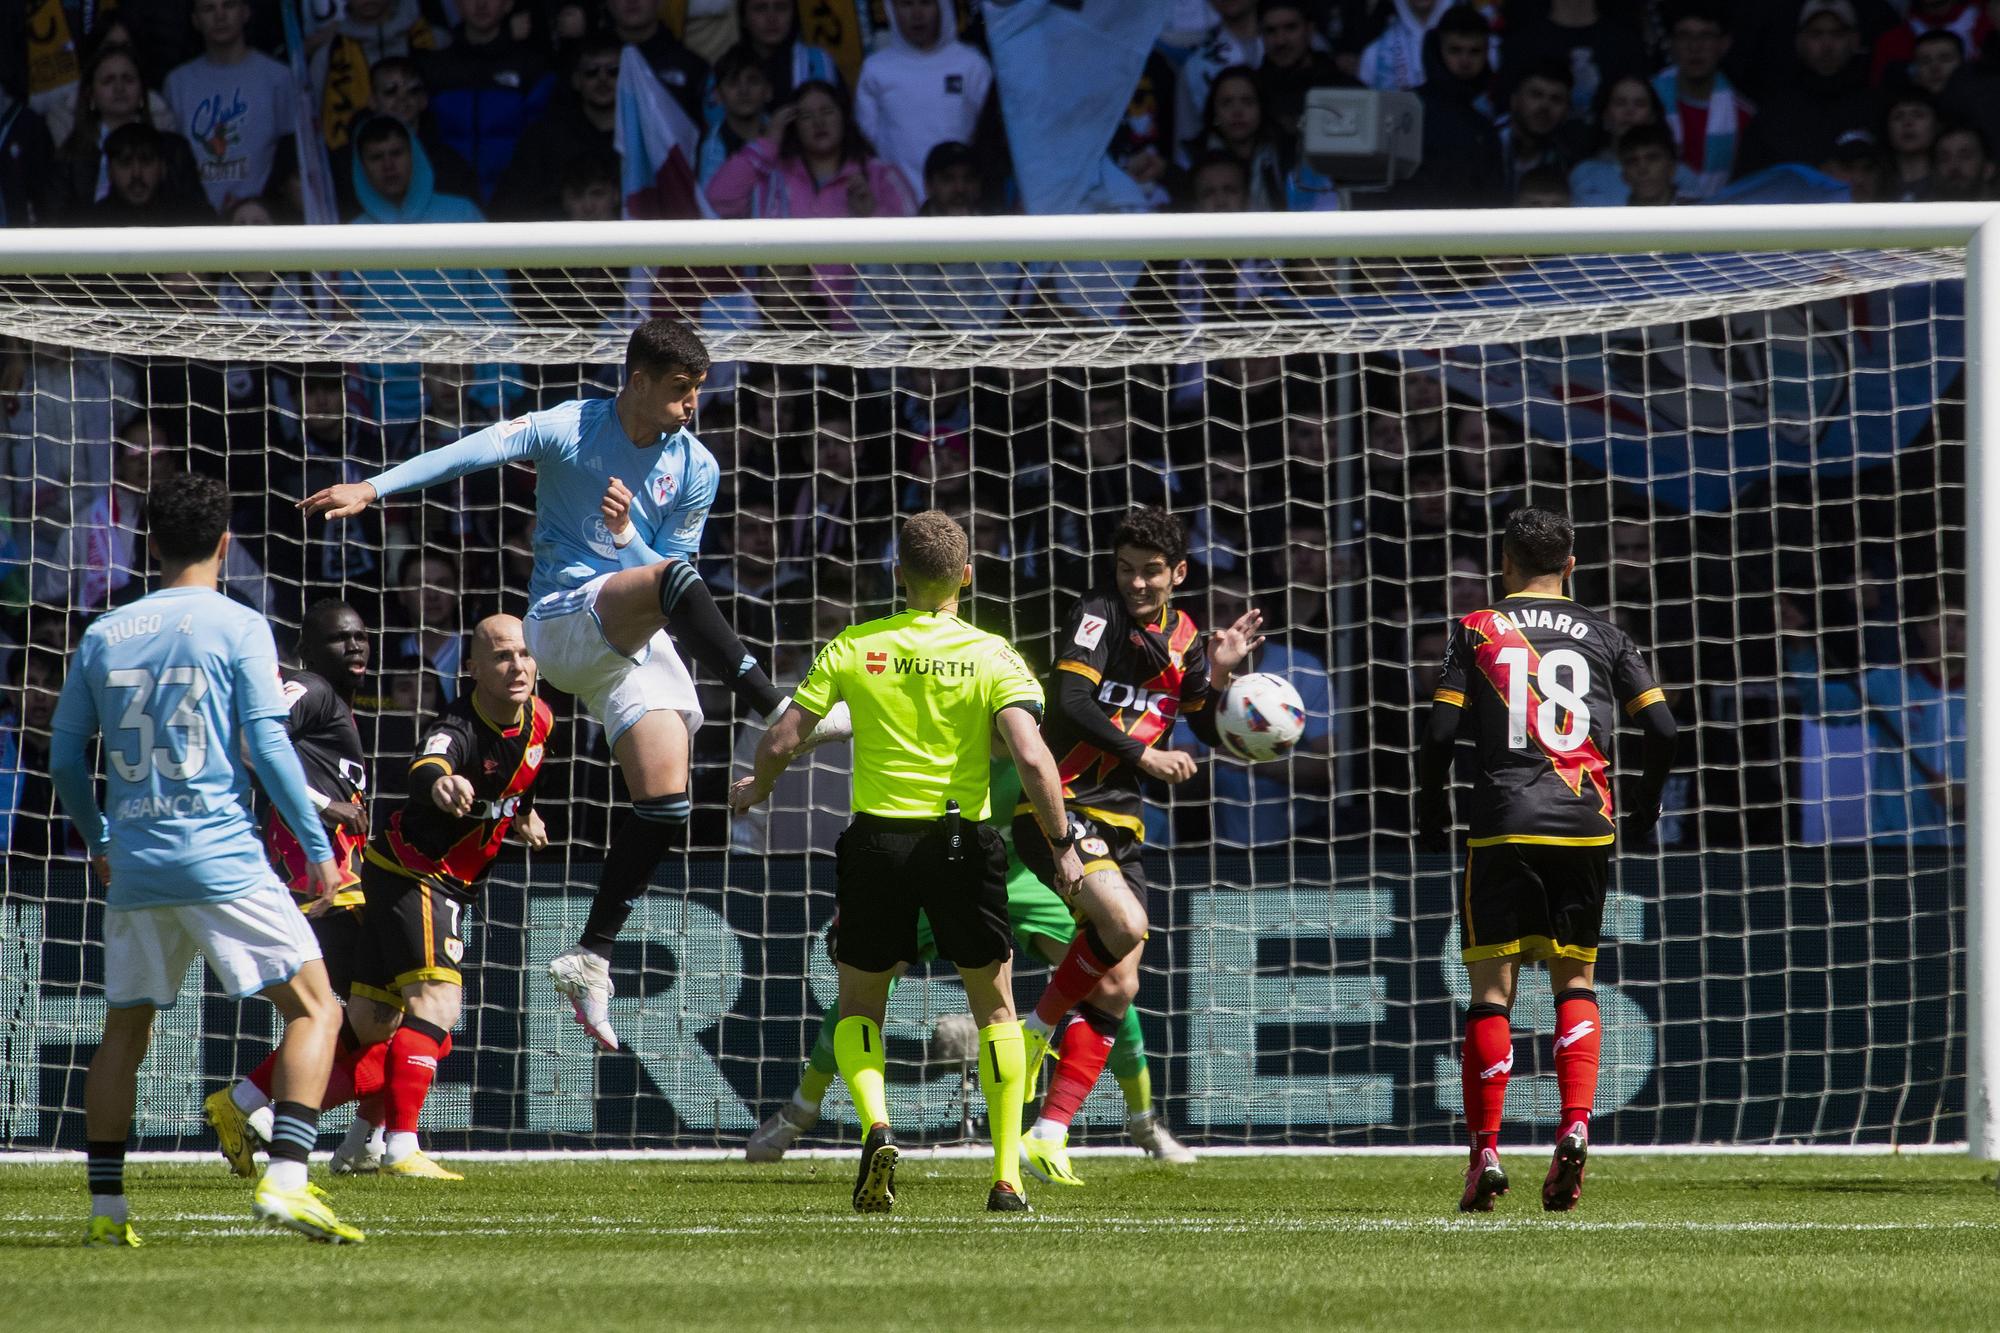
x: 322, y: 730
x: 1143, y: 677
x: 500, y: 759
x: 1541, y: 679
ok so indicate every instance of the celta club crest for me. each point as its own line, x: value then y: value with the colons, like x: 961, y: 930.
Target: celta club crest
x: 664, y: 488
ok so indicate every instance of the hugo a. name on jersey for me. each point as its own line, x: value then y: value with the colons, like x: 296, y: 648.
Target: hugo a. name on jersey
x: 1144, y: 675
x: 1539, y: 677
x: 449, y: 851
x: 322, y: 729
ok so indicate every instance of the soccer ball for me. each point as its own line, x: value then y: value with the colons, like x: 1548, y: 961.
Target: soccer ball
x: 1262, y: 717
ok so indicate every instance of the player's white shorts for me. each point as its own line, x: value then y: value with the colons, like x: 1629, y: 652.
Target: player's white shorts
x: 251, y: 942
x: 569, y: 645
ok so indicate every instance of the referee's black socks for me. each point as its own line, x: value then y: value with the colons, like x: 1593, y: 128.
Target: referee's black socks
x: 697, y: 625
x: 655, y: 827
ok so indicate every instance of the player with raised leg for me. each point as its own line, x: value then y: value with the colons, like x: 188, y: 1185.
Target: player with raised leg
x: 1531, y: 682
x: 1044, y: 926
x: 1127, y: 664
x: 928, y: 694
x: 333, y: 655
x: 622, y: 494
x: 174, y: 681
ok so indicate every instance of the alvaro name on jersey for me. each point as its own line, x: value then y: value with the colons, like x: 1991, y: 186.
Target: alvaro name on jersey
x: 1143, y: 677
x: 501, y: 761
x: 1538, y: 676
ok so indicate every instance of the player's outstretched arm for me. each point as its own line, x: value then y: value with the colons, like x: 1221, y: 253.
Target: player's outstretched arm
x: 508, y: 442
x: 1041, y: 783
x: 782, y: 742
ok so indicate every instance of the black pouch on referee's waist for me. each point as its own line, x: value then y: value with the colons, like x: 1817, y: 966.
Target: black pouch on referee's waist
x: 954, y: 833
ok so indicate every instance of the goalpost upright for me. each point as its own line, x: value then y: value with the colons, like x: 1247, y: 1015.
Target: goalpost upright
x: 1083, y: 242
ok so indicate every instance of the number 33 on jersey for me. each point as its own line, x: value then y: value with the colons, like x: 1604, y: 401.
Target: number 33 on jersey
x: 1538, y: 677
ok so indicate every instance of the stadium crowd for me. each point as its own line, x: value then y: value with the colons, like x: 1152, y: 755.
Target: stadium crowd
x: 1807, y: 635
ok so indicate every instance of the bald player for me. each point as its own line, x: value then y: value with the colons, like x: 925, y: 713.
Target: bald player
x: 471, y: 784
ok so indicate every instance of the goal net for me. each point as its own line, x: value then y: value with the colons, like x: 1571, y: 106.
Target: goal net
x: 1763, y: 450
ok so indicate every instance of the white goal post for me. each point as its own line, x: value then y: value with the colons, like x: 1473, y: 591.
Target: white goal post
x: 1463, y: 279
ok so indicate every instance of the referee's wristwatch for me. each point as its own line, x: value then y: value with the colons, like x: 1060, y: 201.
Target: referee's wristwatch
x: 1073, y: 829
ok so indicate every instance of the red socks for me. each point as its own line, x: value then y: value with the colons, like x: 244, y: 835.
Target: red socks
x: 1076, y: 976
x: 1485, y: 1061
x: 1579, y: 1035
x: 413, y: 1058
x: 1086, y: 1045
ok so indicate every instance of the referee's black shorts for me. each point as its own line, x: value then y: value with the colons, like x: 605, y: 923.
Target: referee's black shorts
x: 1533, y: 901
x: 889, y: 870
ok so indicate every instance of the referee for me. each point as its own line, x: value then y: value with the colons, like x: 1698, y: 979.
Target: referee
x: 928, y: 694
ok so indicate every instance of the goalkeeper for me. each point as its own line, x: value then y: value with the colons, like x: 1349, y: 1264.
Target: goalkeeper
x: 1043, y: 926
x: 928, y: 693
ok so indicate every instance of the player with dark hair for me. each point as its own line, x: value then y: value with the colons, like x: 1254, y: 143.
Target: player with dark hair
x: 1127, y: 664
x: 930, y: 697
x: 175, y: 682
x: 333, y: 653
x: 1531, y: 682
x: 623, y: 490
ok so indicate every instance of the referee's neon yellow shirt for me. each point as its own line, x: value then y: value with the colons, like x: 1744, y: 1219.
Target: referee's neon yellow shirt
x: 922, y: 687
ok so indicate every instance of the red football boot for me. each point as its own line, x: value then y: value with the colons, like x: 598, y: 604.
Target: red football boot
x: 1484, y: 1182
x: 1564, y: 1185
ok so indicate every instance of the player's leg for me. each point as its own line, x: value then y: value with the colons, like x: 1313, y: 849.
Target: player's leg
x: 783, y: 1128
x: 1082, y: 1050
x: 989, y: 992
x: 1578, y: 1039
x: 421, y: 1042
x: 1486, y: 1059
x: 1114, y: 925
x: 305, y: 1059
x: 858, y: 1051
x: 362, y: 1062
x: 651, y: 747
x: 110, y: 1092
x: 635, y: 604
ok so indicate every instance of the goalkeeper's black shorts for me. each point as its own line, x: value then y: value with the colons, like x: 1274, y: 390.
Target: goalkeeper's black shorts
x: 1531, y: 901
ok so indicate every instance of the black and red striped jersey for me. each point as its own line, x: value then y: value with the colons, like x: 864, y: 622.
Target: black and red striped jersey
x: 1539, y: 677
x: 1143, y: 676
x: 502, y: 761
x: 322, y: 729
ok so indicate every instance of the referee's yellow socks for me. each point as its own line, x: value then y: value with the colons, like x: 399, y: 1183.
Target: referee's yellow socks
x: 1002, y: 1071
x: 857, y: 1048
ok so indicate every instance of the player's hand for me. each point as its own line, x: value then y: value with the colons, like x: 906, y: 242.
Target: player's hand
x: 1228, y: 647
x: 746, y: 795
x: 102, y: 865
x: 1169, y: 766
x: 860, y: 196
x: 1069, y: 873
x: 532, y: 831
x: 453, y: 795
x: 1639, y: 823
x: 349, y: 815
x: 326, y: 883
x: 616, y: 506
x: 342, y: 501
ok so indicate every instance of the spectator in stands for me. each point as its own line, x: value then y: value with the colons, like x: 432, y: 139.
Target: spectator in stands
x: 393, y: 180
x: 1277, y: 804
x: 1461, y: 146
x: 1544, y: 187
x: 1938, y: 56
x: 331, y: 447
x: 1800, y: 118
x: 951, y: 295
x: 1918, y: 713
x: 345, y: 50
x: 1292, y: 65
x: 1596, y: 45
x: 27, y: 166
x: 1236, y: 40
x: 1857, y: 161
x: 432, y: 633
x: 1896, y: 48
x: 1235, y: 122
x: 1396, y: 58
x: 680, y: 71
x: 923, y: 88
x: 485, y: 89
x: 1623, y: 103
x: 1911, y: 125
x: 143, y: 191
x: 1143, y: 144
x: 396, y: 89
x: 112, y: 94
x: 1532, y: 134
x: 31, y: 823
x: 1963, y: 166
x: 740, y: 106
x: 769, y: 30
x: 1704, y: 111
x: 1647, y: 162
x: 235, y: 106
x: 578, y: 122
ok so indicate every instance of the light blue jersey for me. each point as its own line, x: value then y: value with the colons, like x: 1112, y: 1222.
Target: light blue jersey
x: 174, y: 681
x: 577, y: 447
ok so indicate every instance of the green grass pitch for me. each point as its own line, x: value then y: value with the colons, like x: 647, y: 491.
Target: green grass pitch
x: 1817, y: 1243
